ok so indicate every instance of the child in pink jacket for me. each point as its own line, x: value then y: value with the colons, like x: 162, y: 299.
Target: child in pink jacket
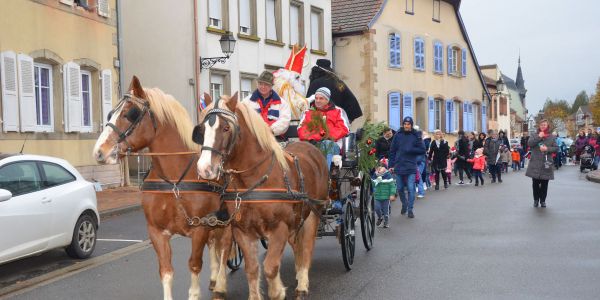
x: 449, y: 167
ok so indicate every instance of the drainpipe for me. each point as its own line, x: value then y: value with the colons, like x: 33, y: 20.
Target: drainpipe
x: 120, y: 47
x: 196, y: 60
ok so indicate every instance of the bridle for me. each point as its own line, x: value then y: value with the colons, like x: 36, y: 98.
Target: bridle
x: 133, y: 115
x: 211, y: 119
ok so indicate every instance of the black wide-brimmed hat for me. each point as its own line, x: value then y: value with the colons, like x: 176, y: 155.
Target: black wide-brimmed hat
x: 324, y: 63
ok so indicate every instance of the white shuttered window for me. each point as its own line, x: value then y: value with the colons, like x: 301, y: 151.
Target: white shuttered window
x: 245, y: 87
x: 245, y: 17
x: 106, y: 94
x: 271, y: 20
x: 215, y: 14
x: 8, y: 85
x: 86, y: 101
x: 294, y: 24
x: 27, y: 95
x: 72, y: 97
x: 103, y: 8
x: 316, y: 25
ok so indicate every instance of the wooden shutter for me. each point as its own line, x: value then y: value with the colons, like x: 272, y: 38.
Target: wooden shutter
x: 72, y: 96
x: 394, y: 110
x: 483, y: 118
x: 431, y: 114
x: 103, y: 9
x: 107, y: 104
x: 407, y: 106
x: 27, y: 103
x: 8, y: 85
x: 464, y: 62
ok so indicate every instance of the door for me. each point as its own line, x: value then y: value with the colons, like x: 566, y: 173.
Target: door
x: 62, y: 185
x: 25, y: 217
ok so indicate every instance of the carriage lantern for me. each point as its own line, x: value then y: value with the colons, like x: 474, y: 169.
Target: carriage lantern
x: 227, y: 42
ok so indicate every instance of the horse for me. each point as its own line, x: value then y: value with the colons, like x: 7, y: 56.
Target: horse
x: 147, y: 117
x: 237, y: 144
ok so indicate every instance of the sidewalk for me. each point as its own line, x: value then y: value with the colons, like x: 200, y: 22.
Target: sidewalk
x: 118, y: 200
x: 593, y: 176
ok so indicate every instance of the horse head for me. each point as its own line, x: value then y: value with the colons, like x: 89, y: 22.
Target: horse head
x: 131, y: 126
x: 217, y: 133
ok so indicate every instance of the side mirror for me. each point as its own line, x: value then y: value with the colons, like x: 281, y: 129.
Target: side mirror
x: 5, y: 195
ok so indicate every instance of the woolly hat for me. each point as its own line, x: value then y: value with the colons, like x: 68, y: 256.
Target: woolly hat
x: 409, y: 120
x: 325, y: 92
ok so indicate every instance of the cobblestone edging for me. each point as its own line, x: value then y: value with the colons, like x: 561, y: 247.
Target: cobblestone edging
x: 593, y: 176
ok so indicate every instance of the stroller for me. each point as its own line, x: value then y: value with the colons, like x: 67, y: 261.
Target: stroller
x: 587, y: 158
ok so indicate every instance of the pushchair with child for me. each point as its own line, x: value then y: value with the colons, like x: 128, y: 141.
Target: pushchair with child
x: 587, y: 158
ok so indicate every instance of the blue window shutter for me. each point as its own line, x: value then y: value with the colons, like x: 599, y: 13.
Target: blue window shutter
x: 448, y: 116
x: 483, y: 118
x: 392, y: 52
x: 416, y: 51
x: 471, y: 119
x: 394, y: 110
x: 449, y: 60
x: 464, y: 62
x: 465, y: 123
x: 431, y: 115
x: 398, y: 50
x: 407, y: 106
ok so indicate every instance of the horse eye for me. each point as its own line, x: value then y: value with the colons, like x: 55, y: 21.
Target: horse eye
x: 226, y: 128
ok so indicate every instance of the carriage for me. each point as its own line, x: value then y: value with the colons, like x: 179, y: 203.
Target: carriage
x: 352, y: 188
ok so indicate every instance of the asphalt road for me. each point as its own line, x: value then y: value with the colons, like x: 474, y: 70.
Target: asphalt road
x: 465, y: 243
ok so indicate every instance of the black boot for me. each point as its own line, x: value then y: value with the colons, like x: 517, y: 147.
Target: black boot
x: 543, y: 203
x: 535, y: 202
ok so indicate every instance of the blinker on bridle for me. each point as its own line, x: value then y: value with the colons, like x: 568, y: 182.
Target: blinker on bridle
x: 211, y: 119
x: 134, y: 115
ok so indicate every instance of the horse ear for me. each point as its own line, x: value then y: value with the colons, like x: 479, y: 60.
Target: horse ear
x: 207, y: 99
x: 233, y: 102
x: 135, y: 87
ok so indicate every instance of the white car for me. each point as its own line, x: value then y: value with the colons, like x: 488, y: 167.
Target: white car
x: 45, y: 204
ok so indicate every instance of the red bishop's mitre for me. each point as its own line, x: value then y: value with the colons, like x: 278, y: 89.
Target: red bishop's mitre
x: 296, y: 60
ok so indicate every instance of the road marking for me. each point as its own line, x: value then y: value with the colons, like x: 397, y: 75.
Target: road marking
x: 119, y: 240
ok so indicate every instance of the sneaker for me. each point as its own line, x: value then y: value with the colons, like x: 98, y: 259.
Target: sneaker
x: 543, y: 203
x: 403, y: 211
x: 476, y: 183
x: 420, y: 196
x: 425, y: 187
x: 386, y: 225
x: 470, y: 180
x: 379, y: 221
x: 411, y: 215
x: 445, y: 185
x: 499, y: 180
x: 460, y: 183
x: 493, y: 180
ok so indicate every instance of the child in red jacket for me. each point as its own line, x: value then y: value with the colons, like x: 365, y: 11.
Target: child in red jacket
x: 478, y: 165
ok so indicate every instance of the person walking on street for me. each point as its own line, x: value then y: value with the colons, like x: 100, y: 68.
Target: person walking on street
x: 491, y: 150
x: 382, y: 146
x: 384, y: 191
x: 426, y: 174
x: 580, y: 143
x: 463, y: 154
x: 503, y: 138
x: 506, y: 158
x: 516, y: 159
x: 438, y: 153
x: 407, y: 145
x: 478, y: 162
x: 523, y: 149
x: 540, y: 165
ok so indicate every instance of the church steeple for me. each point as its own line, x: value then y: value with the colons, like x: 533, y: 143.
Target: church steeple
x: 520, y: 82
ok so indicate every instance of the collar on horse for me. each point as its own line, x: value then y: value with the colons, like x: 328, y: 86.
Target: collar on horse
x: 134, y: 116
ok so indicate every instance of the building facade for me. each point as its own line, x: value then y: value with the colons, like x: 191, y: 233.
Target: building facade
x: 410, y: 58
x: 499, y: 108
x: 265, y: 31
x: 58, y: 77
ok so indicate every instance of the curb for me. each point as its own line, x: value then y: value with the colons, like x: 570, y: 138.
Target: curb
x: 593, y: 177
x: 119, y: 211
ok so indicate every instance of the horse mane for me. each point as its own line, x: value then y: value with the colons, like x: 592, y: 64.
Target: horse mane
x: 167, y: 109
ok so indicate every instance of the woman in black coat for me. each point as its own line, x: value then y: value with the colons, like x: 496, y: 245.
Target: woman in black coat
x: 438, y: 155
x: 503, y: 139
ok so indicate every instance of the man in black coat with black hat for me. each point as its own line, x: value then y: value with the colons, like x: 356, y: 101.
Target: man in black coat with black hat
x: 322, y: 75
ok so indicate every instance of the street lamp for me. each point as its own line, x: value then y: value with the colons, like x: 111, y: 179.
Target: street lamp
x: 227, y: 42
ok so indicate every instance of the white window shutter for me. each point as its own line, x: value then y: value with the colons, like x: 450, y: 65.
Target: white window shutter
x: 245, y: 14
x: 407, y: 106
x: 394, y: 110
x: 8, y: 85
x: 315, y: 21
x: 27, y: 93
x: 294, y: 24
x: 271, y: 24
x: 431, y: 114
x: 107, y: 104
x: 103, y: 9
x: 67, y: 2
x: 73, y: 105
x: 483, y: 118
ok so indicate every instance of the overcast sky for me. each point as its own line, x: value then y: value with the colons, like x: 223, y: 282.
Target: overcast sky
x: 559, y: 42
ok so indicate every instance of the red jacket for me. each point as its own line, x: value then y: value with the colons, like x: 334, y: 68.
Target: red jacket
x: 335, y: 118
x: 478, y: 162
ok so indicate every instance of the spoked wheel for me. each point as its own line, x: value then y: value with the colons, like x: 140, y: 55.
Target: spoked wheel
x: 347, y: 236
x: 367, y: 213
x: 264, y: 243
x: 235, y: 261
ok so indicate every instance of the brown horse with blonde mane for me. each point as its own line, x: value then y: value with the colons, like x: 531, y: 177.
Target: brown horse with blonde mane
x: 172, y: 196
x: 237, y: 144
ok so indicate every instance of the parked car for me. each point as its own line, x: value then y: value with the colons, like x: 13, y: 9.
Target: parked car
x: 514, y: 142
x: 45, y: 204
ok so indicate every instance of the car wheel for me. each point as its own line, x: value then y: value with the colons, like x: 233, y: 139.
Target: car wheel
x: 84, y: 238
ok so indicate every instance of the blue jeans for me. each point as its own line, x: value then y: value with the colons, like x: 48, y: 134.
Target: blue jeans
x: 421, y: 167
x: 382, y: 209
x: 408, y: 182
x: 330, y: 148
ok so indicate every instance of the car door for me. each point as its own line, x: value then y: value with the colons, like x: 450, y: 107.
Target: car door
x: 24, y: 217
x: 62, y: 185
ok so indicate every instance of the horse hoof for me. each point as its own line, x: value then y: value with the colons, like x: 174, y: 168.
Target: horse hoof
x: 212, y: 285
x: 301, y: 295
x: 219, y: 296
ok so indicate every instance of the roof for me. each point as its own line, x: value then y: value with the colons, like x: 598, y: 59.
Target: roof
x: 350, y: 16
x: 489, y: 81
x: 510, y: 83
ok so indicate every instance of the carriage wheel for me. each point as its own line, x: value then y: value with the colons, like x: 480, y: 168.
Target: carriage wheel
x: 367, y: 213
x: 235, y: 262
x: 264, y: 243
x: 347, y: 236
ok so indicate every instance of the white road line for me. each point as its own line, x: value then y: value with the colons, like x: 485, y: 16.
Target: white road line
x: 119, y: 240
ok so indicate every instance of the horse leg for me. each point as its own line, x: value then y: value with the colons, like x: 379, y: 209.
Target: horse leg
x: 306, y: 244
x: 214, y: 260
x: 162, y: 247
x: 272, y: 263
x: 223, y: 243
x: 249, y: 248
x: 199, y: 239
